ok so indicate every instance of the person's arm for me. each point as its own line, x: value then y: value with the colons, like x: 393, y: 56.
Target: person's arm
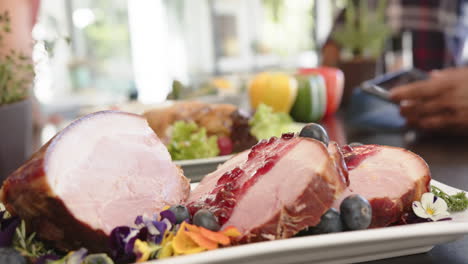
x: 439, y: 103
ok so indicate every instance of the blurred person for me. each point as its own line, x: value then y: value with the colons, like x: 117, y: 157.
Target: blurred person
x: 439, y: 38
x: 438, y: 30
x: 439, y: 34
x: 438, y: 104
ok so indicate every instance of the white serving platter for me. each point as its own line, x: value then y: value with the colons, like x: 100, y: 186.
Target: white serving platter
x: 196, y: 169
x: 346, y: 247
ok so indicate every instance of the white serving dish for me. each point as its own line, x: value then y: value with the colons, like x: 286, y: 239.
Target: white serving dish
x: 196, y: 169
x: 346, y: 247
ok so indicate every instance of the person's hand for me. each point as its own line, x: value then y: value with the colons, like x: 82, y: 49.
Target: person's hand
x: 439, y: 103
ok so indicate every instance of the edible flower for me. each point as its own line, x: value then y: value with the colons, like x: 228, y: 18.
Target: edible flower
x: 193, y: 239
x: 431, y: 207
x: 145, y: 250
x: 163, y: 238
x: 122, y: 240
x: 166, y: 246
x: 8, y: 226
x: 147, y: 230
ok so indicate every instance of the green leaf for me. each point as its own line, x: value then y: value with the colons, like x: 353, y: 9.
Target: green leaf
x: 188, y: 141
x: 28, y: 245
x: 456, y: 203
x: 266, y: 124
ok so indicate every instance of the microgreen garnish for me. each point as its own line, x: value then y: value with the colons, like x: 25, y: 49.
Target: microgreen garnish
x: 456, y: 202
x: 28, y: 245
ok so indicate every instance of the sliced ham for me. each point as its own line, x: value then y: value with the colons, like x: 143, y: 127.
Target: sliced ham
x: 98, y: 173
x: 275, y: 189
x: 390, y: 178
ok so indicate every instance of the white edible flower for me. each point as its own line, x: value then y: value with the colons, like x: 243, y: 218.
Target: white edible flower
x: 431, y: 207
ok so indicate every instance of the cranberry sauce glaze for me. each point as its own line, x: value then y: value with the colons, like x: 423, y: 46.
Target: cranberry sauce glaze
x: 355, y: 156
x: 232, y: 185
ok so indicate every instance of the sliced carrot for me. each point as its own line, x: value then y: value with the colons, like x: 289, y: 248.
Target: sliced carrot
x: 202, y: 241
x: 217, y: 237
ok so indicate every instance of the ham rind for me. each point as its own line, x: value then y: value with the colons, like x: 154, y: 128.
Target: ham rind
x: 390, y: 178
x: 98, y: 173
x: 300, y: 182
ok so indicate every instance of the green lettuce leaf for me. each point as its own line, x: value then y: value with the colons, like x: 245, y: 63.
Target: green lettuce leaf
x: 266, y: 124
x: 188, y: 141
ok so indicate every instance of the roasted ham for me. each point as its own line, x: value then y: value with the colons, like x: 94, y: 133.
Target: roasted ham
x: 275, y: 189
x: 98, y: 173
x: 390, y: 178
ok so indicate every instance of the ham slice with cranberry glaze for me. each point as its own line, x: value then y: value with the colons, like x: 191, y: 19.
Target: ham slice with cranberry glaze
x: 98, y: 173
x: 275, y: 189
x: 389, y: 178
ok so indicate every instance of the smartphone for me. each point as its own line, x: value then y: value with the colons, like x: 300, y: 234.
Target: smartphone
x: 381, y: 85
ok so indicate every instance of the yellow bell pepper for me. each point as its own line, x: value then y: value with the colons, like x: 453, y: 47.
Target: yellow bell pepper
x: 278, y: 90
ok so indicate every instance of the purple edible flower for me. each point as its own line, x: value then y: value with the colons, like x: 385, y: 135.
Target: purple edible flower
x: 122, y: 240
x: 169, y: 215
x: 153, y: 231
x: 7, y: 229
x: 139, y: 220
x: 161, y: 227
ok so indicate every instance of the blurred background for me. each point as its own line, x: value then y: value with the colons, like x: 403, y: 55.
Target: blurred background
x: 102, y: 52
x: 94, y: 53
x: 134, y: 55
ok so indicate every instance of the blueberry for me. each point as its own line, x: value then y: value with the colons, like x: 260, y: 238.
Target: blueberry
x: 181, y: 213
x: 356, y: 212
x: 330, y: 222
x: 206, y: 219
x: 315, y: 131
x: 11, y: 256
x: 355, y: 144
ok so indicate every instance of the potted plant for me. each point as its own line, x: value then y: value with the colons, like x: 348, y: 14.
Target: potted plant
x: 16, y: 122
x: 361, y: 39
